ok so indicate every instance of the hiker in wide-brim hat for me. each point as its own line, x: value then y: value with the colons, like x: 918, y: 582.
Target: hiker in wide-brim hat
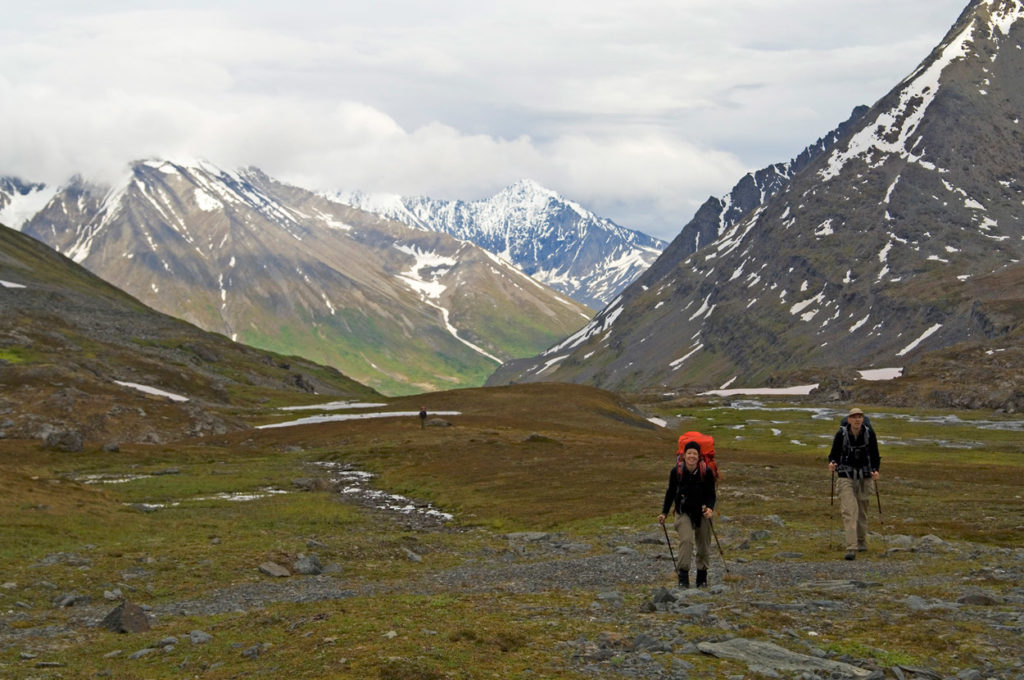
x: 855, y: 460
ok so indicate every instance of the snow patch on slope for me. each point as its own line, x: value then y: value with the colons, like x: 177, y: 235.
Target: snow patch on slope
x: 424, y: 278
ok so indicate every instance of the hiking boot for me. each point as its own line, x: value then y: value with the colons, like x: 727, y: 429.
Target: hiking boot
x: 850, y: 555
x: 684, y: 578
x: 862, y: 548
x: 702, y: 578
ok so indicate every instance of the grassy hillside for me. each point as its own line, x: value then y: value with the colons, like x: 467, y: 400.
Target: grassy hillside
x: 67, y: 338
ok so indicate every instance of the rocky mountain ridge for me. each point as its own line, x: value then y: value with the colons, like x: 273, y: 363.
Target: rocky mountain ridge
x: 718, y: 214
x: 904, y: 241
x: 554, y: 240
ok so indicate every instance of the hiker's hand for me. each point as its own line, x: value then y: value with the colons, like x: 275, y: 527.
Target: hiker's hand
x: 832, y: 466
x: 708, y: 512
x: 875, y: 474
x: 661, y: 519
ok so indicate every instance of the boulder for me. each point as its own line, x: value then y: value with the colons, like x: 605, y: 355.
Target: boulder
x: 766, y: 657
x: 67, y: 441
x: 274, y: 569
x: 126, y: 618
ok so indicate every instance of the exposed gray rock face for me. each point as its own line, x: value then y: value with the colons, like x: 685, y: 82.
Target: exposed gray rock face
x: 904, y: 239
x: 717, y: 215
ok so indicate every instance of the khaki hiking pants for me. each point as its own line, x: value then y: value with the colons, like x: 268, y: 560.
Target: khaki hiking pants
x: 687, y: 537
x: 854, y: 500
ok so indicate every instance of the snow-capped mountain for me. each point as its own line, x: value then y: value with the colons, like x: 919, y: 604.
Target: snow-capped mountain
x: 905, y: 238
x: 554, y: 240
x: 20, y: 201
x: 718, y: 214
x: 281, y: 268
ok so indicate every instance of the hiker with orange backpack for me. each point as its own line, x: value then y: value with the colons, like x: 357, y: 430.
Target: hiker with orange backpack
x: 691, y: 494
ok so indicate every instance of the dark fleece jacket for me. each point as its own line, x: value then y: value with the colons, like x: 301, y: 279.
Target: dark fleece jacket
x: 690, y: 494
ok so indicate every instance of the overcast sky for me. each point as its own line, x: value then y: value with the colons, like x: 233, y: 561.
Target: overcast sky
x: 637, y: 109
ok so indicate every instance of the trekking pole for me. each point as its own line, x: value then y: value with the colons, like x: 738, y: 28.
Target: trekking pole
x: 832, y: 511
x: 879, y: 499
x: 669, y: 541
x: 715, y: 534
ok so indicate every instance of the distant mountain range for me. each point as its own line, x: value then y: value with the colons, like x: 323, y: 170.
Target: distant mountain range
x: 900, y: 245
x: 281, y: 268
x: 556, y: 241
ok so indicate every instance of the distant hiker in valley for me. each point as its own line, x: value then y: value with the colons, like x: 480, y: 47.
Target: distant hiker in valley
x: 423, y: 417
x: 691, y: 495
x: 854, y: 458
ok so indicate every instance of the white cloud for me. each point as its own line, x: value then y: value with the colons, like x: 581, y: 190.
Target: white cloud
x: 637, y: 110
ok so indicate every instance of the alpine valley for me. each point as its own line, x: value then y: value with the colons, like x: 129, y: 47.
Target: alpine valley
x: 898, y: 247
x: 277, y: 267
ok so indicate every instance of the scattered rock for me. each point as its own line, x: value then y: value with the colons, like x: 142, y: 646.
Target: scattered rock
x: 198, y: 637
x: 255, y: 650
x: 931, y: 543
x: 70, y: 600
x: 314, y: 484
x: 611, y: 597
x: 767, y: 656
x: 529, y: 536
x: 274, y: 569
x: 540, y: 439
x: 922, y: 673
x: 67, y: 559
x: 127, y: 617
x: 67, y: 441
x: 899, y: 542
x: 646, y: 643
x: 307, y: 565
x: 979, y: 599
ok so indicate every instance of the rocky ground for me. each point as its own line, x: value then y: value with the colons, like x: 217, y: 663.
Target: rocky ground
x: 767, y: 613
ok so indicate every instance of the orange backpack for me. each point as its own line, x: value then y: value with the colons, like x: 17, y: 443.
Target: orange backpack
x: 706, y: 444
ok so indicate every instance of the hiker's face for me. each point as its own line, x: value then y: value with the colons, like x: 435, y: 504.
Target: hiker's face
x: 690, y: 457
x: 856, y: 420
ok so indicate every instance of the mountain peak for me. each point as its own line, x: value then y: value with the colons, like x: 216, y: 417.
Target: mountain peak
x: 902, y: 241
x: 527, y: 185
x: 554, y: 240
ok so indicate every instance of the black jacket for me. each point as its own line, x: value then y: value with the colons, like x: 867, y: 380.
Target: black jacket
x: 855, y: 457
x: 690, y: 494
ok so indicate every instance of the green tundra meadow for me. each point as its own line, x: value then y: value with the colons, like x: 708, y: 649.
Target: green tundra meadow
x: 163, y: 526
